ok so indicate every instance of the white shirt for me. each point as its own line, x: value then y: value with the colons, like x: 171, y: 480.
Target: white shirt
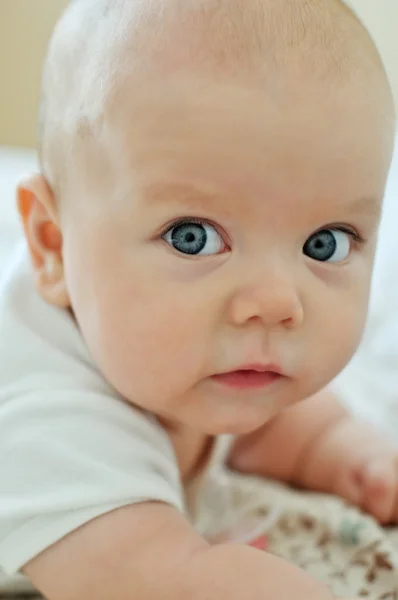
x: 70, y: 448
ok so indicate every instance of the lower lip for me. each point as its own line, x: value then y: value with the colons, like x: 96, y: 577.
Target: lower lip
x: 245, y: 380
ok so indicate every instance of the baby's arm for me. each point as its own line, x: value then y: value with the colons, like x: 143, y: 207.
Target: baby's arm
x: 148, y: 551
x: 283, y: 447
x: 318, y: 445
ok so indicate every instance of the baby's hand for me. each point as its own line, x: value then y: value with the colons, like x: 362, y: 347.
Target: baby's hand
x: 359, y: 463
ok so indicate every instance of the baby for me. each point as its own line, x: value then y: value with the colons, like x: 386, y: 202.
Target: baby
x: 202, y: 236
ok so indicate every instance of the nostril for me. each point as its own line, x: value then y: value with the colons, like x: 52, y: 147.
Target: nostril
x: 296, y: 318
x: 272, y: 303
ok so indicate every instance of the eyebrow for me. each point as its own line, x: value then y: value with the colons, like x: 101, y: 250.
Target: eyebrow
x: 181, y: 191
x: 163, y: 191
x: 367, y: 205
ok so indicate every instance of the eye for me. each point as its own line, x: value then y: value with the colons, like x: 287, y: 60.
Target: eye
x: 195, y: 238
x: 328, y: 245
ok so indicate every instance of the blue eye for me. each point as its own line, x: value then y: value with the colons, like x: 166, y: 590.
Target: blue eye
x: 328, y: 245
x: 195, y: 238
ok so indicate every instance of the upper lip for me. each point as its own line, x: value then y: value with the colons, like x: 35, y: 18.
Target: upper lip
x: 259, y: 367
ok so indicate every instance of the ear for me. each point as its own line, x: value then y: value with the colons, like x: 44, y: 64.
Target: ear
x: 38, y: 211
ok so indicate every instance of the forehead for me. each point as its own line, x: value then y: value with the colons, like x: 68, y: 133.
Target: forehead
x: 287, y: 134
x: 133, y: 42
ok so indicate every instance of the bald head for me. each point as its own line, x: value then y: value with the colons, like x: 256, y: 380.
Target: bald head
x: 101, y: 46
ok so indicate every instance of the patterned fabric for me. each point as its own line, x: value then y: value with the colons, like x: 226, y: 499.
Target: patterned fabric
x: 333, y: 542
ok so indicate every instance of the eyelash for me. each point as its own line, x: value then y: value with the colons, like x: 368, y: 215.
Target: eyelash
x: 185, y: 220
x: 357, y: 237
x: 197, y: 221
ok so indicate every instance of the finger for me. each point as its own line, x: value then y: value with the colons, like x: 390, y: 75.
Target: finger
x: 379, y: 485
x: 349, y: 485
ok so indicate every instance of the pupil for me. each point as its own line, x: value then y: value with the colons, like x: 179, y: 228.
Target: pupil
x: 321, y: 246
x: 189, y: 238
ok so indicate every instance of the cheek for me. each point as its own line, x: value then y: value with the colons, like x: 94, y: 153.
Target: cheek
x: 146, y: 337
x: 340, y: 329
x: 149, y: 349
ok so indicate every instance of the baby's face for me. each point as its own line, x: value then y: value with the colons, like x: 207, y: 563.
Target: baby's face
x: 220, y: 270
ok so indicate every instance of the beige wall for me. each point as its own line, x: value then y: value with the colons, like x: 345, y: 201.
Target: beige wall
x: 25, y: 26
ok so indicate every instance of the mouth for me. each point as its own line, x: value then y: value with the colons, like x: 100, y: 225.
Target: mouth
x: 250, y: 377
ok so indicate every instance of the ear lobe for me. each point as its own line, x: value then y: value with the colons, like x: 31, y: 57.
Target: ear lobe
x: 37, y: 211
x: 50, y: 282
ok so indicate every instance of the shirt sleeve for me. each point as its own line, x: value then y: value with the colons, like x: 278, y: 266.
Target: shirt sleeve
x: 71, y: 449
x: 67, y: 457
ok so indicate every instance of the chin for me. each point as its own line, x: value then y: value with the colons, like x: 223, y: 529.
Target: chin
x: 236, y: 427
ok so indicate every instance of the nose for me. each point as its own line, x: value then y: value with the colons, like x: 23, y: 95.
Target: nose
x: 274, y: 301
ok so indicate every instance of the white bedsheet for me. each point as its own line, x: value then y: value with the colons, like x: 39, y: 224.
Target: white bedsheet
x: 14, y: 163
x: 370, y: 384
